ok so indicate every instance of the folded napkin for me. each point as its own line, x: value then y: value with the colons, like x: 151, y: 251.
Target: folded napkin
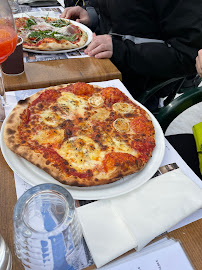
x: 197, y: 131
x: 114, y: 226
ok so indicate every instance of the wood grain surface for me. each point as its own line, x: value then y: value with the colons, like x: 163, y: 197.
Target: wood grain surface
x: 55, y: 72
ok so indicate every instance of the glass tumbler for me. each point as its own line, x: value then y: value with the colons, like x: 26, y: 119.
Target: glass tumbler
x: 47, y: 233
x: 5, y: 256
x: 14, y: 5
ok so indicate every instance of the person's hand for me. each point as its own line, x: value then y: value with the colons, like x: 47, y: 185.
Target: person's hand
x: 199, y: 63
x: 100, y: 47
x: 76, y: 13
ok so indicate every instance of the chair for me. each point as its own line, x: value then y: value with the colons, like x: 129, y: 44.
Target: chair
x: 173, y: 106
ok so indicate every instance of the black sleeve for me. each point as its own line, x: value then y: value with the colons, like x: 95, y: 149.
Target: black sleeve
x: 181, y: 27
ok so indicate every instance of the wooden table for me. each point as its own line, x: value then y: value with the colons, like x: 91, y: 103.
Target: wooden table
x: 42, y: 74
x: 55, y: 72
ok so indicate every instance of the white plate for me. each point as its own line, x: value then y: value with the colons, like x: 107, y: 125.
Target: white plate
x: 34, y: 176
x: 53, y: 15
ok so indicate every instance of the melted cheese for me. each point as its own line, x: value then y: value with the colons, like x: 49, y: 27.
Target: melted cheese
x: 121, y: 125
x: 81, y: 152
x: 121, y: 146
x: 101, y: 115
x: 96, y: 100
x: 72, y: 104
x: 122, y: 107
x: 50, y: 118
x: 50, y: 136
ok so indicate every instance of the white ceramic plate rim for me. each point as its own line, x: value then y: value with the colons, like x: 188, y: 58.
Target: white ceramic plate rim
x: 35, y: 176
x: 82, y: 26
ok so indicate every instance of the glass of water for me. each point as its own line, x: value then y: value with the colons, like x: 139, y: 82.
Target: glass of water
x: 14, y: 5
x: 47, y: 233
x: 5, y: 256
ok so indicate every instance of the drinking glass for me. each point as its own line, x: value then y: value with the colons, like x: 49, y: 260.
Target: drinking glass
x: 14, y: 5
x: 47, y: 233
x: 5, y: 256
x: 8, y: 39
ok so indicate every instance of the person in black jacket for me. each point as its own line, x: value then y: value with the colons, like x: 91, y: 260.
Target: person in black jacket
x: 148, y: 41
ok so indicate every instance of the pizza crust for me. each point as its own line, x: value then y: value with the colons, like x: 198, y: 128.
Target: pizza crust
x: 12, y: 140
x: 55, y: 46
x: 50, y: 44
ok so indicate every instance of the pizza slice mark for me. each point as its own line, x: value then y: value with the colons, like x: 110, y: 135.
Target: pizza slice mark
x: 82, y: 153
x: 122, y: 161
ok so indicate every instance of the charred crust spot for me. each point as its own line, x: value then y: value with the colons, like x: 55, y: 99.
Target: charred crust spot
x: 15, y: 147
x: 24, y: 154
x: 66, y: 162
x: 54, y: 108
x: 103, y: 147
x: 45, y: 169
x: 68, y: 133
x: 128, y: 115
x: 40, y: 105
x: 89, y: 172
x: 47, y: 162
x: 119, y: 176
x: 23, y: 101
x: 11, y: 118
x: 10, y: 139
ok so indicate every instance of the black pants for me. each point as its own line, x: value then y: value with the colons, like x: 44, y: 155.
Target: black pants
x: 185, y: 145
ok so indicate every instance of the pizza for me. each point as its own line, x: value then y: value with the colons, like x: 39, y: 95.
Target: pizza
x: 81, y: 134
x: 50, y: 34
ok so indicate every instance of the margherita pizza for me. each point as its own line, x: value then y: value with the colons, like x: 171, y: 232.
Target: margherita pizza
x: 50, y: 34
x: 81, y: 134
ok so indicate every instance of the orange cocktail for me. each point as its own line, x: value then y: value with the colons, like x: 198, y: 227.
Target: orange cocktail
x: 8, y: 41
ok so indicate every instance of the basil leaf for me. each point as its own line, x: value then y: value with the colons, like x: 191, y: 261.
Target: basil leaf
x: 30, y: 22
x: 38, y: 35
x: 60, y: 23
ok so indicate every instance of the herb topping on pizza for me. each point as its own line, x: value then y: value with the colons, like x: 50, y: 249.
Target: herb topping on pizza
x: 50, y: 34
x: 81, y: 134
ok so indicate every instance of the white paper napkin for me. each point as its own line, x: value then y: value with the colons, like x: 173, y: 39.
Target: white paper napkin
x: 114, y: 226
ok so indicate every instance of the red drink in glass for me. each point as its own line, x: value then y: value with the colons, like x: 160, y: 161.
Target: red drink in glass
x: 8, y: 41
